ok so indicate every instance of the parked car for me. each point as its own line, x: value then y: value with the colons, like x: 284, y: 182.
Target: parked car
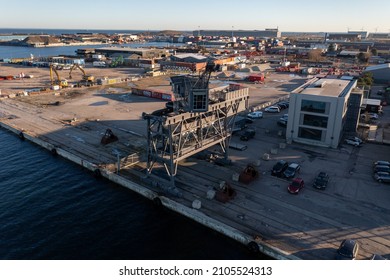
x: 347, y: 250
x: 321, y: 181
x: 255, y: 115
x: 237, y: 146
x: 382, y: 168
x: 382, y: 177
x: 296, y: 185
x: 247, y: 134
x: 279, y: 168
x: 377, y: 257
x: 248, y: 120
x: 353, y: 142
x: 355, y: 139
x: 282, y: 122
x: 283, y: 104
x: 272, y: 109
x: 369, y: 116
x: 381, y: 162
x: 292, y: 170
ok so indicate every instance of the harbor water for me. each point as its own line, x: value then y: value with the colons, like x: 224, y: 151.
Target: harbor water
x: 51, y: 208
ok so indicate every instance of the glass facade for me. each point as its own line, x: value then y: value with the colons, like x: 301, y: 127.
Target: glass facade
x: 309, y: 133
x: 314, y: 106
x: 313, y: 120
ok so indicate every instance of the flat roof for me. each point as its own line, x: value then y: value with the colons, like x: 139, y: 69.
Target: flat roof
x: 326, y: 87
x: 125, y: 49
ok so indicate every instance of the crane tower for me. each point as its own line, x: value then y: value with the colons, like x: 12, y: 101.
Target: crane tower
x: 198, y: 118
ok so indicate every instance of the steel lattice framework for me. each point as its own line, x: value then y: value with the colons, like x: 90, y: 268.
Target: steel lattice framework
x: 174, y: 136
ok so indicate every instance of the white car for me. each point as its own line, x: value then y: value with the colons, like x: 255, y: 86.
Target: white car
x: 355, y: 139
x: 272, y: 109
x: 369, y: 116
x: 382, y: 162
x: 255, y: 115
x: 352, y: 142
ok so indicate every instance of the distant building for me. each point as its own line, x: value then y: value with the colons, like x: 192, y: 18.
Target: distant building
x: 379, y: 36
x: 363, y: 34
x: 318, y: 112
x: 380, y: 73
x: 271, y: 32
x: 344, y: 36
x: 188, y: 57
x: 142, y: 52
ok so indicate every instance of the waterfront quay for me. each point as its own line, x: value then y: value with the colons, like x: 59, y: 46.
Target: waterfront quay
x: 262, y: 215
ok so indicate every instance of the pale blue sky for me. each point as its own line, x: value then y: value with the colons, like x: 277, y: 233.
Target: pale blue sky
x: 288, y: 15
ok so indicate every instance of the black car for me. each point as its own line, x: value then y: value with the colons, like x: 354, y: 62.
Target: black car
x: 348, y: 250
x: 279, y: 168
x: 247, y: 134
x: 321, y: 181
x: 382, y: 168
x: 282, y: 123
x: 283, y: 105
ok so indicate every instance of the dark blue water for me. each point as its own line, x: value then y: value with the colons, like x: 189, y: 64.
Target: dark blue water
x: 25, y: 52
x: 21, y: 52
x: 65, y: 31
x: 51, y: 208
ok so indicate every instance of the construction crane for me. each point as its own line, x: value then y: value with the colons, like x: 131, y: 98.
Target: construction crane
x: 63, y: 83
x: 89, y: 79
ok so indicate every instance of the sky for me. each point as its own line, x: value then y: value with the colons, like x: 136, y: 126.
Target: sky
x: 287, y: 15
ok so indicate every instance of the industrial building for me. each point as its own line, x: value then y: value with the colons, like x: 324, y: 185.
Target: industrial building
x: 142, y: 52
x: 318, y: 111
x: 270, y: 32
x: 380, y: 73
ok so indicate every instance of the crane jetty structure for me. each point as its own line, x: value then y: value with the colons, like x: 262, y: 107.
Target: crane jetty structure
x: 197, y: 119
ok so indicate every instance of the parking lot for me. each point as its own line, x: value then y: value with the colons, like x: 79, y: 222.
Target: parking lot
x: 353, y: 205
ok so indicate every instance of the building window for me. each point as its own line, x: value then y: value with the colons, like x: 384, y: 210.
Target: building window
x: 199, y: 100
x: 313, y: 120
x: 314, y: 106
x: 309, y: 133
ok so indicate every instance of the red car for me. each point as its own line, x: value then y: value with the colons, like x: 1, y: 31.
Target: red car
x: 296, y: 185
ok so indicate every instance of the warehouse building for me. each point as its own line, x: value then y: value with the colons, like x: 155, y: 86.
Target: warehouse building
x: 270, y: 32
x: 380, y: 73
x: 318, y: 112
x: 142, y: 52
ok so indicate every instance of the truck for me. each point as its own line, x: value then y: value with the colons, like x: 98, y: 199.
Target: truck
x: 256, y: 78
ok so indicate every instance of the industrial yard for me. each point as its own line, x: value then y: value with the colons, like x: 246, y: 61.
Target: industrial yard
x: 72, y: 122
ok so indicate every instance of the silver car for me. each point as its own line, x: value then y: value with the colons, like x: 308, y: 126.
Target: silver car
x: 382, y: 177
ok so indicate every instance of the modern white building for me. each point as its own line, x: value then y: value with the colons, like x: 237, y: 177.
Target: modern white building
x: 318, y: 111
